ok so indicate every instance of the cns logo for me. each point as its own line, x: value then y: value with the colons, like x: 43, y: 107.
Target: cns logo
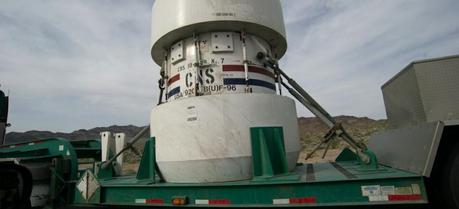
x: 206, y: 76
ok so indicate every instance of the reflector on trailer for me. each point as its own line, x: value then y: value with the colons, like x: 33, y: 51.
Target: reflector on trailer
x: 179, y: 200
x: 405, y: 197
x: 149, y: 201
x: 213, y: 202
x: 294, y: 200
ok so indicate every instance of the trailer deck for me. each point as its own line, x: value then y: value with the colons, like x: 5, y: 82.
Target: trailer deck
x: 344, y: 182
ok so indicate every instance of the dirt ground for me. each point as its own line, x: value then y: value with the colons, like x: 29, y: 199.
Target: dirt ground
x: 317, y: 157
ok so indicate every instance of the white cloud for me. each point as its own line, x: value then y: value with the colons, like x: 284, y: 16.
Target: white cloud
x: 343, y: 51
x: 80, y: 64
x: 77, y: 64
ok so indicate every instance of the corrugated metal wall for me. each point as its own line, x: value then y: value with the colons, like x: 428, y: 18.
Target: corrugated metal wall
x: 425, y: 91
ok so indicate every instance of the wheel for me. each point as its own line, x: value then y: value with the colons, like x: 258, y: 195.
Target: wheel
x: 15, y: 187
x: 450, y: 179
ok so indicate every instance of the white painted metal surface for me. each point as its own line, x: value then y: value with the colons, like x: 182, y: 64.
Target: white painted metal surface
x: 424, y: 91
x: 119, y: 145
x: 410, y: 148
x: 87, y: 185
x: 111, y: 144
x: 41, y: 175
x: 207, y: 138
x: 222, y: 70
x: 40, y: 194
x: 216, y: 88
x: 107, y: 144
x: 174, y: 20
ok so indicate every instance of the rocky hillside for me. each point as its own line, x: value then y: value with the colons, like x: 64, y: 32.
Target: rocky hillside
x: 311, y: 132
x: 82, y: 134
x: 312, y: 129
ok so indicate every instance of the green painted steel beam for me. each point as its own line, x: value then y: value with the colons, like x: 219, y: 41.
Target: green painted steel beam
x: 64, y: 165
x: 146, y: 171
x: 43, y: 149
x: 88, y: 149
x: 268, y: 152
x: 340, y: 183
x: 333, y: 185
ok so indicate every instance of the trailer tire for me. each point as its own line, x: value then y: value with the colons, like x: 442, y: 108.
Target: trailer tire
x: 17, y: 185
x: 450, y: 179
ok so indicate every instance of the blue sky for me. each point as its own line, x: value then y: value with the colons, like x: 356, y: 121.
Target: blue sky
x: 81, y: 64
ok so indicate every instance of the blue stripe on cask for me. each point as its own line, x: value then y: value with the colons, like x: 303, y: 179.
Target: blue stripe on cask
x: 252, y: 82
x: 173, y: 92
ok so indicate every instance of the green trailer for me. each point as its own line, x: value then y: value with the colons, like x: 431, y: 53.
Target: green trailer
x: 224, y: 135
x: 344, y: 182
x: 408, y: 165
